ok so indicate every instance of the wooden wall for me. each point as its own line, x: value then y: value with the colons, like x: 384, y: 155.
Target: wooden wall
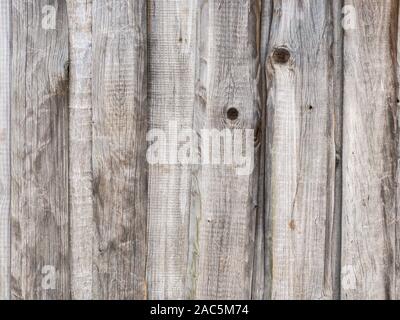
x: 85, y: 84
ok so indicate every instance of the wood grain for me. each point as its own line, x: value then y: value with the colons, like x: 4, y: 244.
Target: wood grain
x: 80, y: 147
x: 227, y: 198
x: 5, y: 55
x: 261, y: 286
x: 39, y: 152
x: 119, y: 149
x: 301, y: 103
x: 370, y: 146
x: 172, y: 37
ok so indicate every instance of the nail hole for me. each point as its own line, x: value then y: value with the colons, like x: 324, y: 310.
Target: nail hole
x: 281, y: 55
x: 232, y: 114
x: 310, y: 107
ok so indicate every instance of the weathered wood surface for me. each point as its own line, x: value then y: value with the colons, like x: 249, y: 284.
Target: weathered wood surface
x: 39, y: 152
x: 172, y: 37
x: 301, y: 112
x: 87, y: 106
x: 370, y: 153
x: 227, y: 196
x: 80, y: 147
x: 5, y: 54
x: 119, y: 163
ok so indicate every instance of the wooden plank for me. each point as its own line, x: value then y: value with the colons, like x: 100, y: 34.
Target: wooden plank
x: 80, y: 147
x: 5, y: 52
x: 370, y: 138
x: 301, y: 104
x: 337, y: 98
x: 227, y: 197
x: 261, y: 267
x: 119, y: 148
x: 39, y: 122
x: 172, y: 37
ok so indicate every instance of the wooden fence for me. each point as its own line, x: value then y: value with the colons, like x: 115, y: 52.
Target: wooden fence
x: 85, y: 86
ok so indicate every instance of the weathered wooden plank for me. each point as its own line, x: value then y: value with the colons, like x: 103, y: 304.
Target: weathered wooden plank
x: 261, y: 267
x: 337, y: 98
x: 230, y: 106
x: 397, y: 261
x: 119, y: 148
x: 39, y: 157
x: 5, y: 52
x: 301, y: 104
x: 80, y: 147
x: 370, y: 137
x: 172, y: 37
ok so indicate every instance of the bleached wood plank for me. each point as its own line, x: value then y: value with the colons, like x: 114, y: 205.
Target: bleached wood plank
x: 39, y: 151
x: 172, y: 37
x: 5, y: 86
x: 337, y: 98
x: 120, y: 114
x: 301, y: 104
x: 261, y: 267
x: 370, y: 137
x: 80, y: 147
x: 227, y: 197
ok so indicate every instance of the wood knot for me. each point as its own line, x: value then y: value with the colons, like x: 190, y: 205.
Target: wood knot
x: 292, y: 225
x: 281, y: 55
x: 232, y: 114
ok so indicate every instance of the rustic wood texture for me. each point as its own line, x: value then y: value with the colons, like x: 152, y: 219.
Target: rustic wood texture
x: 370, y: 147
x: 84, y: 102
x: 120, y: 114
x: 300, y: 108
x: 5, y: 54
x: 229, y: 75
x: 172, y: 36
x: 39, y: 152
x: 80, y: 147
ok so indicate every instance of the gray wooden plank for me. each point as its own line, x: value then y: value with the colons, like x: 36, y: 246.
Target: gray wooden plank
x: 228, y: 84
x: 370, y: 138
x: 301, y: 104
x: 337, y: 98
x: 5, y: 86
x: 119, y: 148
x: 261, y: 267
x: 172, y: 39
x: 80, y: 147
x: 39, y: 157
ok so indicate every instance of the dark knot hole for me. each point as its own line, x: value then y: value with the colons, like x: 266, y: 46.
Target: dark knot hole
x: 281, y: 55
x: 232, y: 113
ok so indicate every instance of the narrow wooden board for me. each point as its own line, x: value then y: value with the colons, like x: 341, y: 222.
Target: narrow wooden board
x: 301, y: 104
x: 229, y: 99
x: 80, y: 147
x: 172, y: 38
x: 39, y: 151
x: 370, y: 144
x: 120, y: 114
x: 5, y: 86
x: 261, y: 266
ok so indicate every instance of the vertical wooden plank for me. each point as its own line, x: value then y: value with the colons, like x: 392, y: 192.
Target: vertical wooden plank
x: 5, y: 48
x: 337, y: 98
x: 227, y: 197
x: 261, y: 266
x: 370, y: 137
x: 119, y: 148
x: 301, y: 103
x: 80, y: 147
x: 39, y: 151
x: 172, y: 37
x: 397, y: 235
